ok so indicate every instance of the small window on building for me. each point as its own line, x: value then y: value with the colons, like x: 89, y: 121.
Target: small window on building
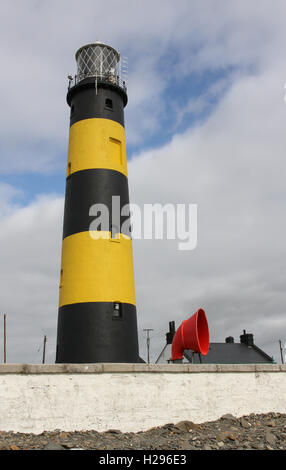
x: 109, y: 103
x: 117, y: 311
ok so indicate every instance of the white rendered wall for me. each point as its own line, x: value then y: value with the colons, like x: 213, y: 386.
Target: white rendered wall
x: 128, y: 397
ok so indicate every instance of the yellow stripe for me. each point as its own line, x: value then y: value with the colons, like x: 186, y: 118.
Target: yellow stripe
x: 97, y: 143
x: 96, y: 269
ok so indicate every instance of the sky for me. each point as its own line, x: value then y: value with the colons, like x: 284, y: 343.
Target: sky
x: 205, y: 124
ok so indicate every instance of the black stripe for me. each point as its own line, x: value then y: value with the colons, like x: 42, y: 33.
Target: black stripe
x: 88, y: 332
x: 89, y: 102
x: 95, y: 186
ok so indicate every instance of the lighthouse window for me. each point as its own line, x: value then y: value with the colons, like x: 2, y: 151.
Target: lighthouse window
x: 108, y: 103
x: 117, y: 311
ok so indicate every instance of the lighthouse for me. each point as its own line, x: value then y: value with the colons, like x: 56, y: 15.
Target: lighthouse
x: 97, y: 320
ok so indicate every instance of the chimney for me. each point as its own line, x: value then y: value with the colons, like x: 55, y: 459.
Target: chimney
x: 229, y: 339
x: 171, y: 333
x: 246, y: 338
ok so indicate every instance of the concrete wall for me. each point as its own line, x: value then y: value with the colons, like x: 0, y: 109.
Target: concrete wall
x: 133, y: 397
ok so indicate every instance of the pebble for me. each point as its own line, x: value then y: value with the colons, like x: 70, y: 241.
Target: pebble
x: 4, y: 446
x: 270, y: 438
x: 228, y: 417
x: 244, y: 423
x: 186, y: 426
x: 53, y: 446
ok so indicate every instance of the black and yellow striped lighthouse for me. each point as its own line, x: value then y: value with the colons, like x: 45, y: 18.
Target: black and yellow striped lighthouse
x: 97, y: 311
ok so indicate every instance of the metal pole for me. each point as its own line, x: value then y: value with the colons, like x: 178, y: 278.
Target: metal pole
x: 281, y: 351
x: 44, y: 349
x: 4, y: 338
x: 148, y: 343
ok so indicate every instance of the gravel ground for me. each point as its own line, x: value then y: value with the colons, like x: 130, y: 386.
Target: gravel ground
x: 255, y: 431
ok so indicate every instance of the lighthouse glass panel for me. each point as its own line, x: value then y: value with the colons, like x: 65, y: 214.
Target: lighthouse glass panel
x: 97, y: 60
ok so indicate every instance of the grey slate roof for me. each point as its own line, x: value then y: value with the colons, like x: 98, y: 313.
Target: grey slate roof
x: 222, y: 353
x: 231, y: 353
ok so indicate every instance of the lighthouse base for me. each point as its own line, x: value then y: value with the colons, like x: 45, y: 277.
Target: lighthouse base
x: 97, y: 332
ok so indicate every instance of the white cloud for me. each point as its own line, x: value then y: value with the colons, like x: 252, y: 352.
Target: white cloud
x: 7, y: 199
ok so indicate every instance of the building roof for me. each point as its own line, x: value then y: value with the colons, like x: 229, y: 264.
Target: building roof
x: 230, y: 353
x: 221, y: 353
